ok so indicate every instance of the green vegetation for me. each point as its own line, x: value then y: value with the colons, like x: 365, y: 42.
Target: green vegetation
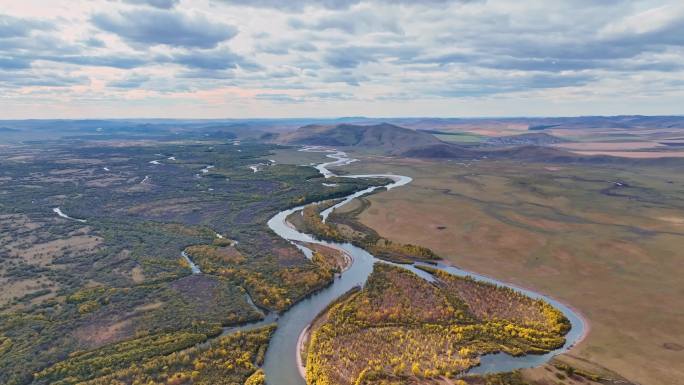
x: 401, y: 328
x: 232, y: 359
x: 102, y: 361
x: 71, y: 286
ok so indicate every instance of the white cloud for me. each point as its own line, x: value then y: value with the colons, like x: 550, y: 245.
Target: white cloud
x: 648, y: 21
x: 225, y: 58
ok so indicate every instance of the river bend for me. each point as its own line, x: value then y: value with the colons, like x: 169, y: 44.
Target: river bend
x: 280, y: 364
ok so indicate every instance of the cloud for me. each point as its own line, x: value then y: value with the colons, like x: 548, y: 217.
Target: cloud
x: 206, y: 74
x: 498, y: 84
x: 285, y: 46
x: 32, y: 79
x: 293, y: 5
x: 323, y: 95
x: 359, y: 53
x: 654, y: 20
x: 13, y: 63
x: 311, y: 96
x: 155, y: 27
x: 656, y: 27
x: 94, y: 42
x: 17, y: 27
x: 217, y: 59
x: 163, y: 4
x: 353, y: 56
x: 298, y: 5
x: 346, y: 77
x: 278, y: 98
x: 354, y: 21
x: 112, y: 60
x: 132, y: 81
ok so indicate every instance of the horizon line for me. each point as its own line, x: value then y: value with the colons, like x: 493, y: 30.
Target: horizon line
x: 356, y: 117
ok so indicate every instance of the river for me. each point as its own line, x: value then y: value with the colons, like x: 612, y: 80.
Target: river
x: 280, y: 364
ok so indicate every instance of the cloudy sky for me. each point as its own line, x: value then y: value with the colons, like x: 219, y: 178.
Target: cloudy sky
x: 307, y: 58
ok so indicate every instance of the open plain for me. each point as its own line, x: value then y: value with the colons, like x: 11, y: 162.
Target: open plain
x: 605, y: 239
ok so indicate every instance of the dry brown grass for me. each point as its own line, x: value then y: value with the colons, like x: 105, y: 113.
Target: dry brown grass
x: 608, y: 146
x: 592, y: 251
x: 23, y: 240
x: 634, y: 154
x: 42, y: 254
x: 17, y: 288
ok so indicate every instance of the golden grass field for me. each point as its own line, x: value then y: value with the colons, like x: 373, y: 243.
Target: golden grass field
x: 613, y: 252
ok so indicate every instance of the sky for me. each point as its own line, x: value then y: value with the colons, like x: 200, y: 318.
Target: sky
x: 334, y: 58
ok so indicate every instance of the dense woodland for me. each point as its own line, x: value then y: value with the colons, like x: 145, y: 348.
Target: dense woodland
x: 401, y: 329
x: 228, y: 360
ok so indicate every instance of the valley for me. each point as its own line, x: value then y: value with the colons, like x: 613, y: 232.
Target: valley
x: 182, y: 255
x: 341, y: 192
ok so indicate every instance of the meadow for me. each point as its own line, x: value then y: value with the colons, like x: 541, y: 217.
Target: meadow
x: 605, y: 239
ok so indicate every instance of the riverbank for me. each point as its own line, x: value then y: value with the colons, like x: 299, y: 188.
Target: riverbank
x: 290, y: 336
x: 302, y: 341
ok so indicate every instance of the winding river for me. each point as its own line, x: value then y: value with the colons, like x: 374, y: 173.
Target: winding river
x: 281, y: 361
x: 281, y: 365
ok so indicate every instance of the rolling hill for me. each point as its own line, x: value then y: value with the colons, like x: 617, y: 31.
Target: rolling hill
x: 384, y: 136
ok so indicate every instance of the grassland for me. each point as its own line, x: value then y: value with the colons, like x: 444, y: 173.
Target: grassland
x: 459, y: 137
x: 400, y: 328
x: 606, y: 240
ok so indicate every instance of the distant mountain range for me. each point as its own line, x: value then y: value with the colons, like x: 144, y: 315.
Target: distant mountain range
x: 391, y: 139
x: 412, y: 137
x: 538, y: 124
x: 394, y: 140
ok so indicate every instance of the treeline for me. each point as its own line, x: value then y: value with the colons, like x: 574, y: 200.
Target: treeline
x: 282, y: 288
x: 312, y: 223
x: 212, y: 257
x: 230, y: 360
x: 86, y: 365
x: 487, y: 301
